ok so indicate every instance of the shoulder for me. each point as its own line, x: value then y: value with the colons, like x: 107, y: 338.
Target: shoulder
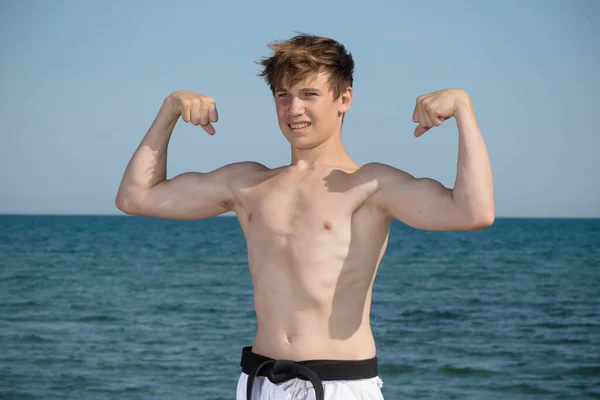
x: 244, y: 166
x: 383, y: 173
x: 392, y: 186
x: 229, y: 175
x: 239, y: 170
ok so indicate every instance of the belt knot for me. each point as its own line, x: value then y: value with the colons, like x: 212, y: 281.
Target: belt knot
x: 285, y: 370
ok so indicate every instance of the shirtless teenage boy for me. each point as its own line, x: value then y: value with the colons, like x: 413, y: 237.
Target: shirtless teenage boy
x: 316, y: 229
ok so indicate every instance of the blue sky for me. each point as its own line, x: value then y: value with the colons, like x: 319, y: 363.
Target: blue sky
x: 81, y: 82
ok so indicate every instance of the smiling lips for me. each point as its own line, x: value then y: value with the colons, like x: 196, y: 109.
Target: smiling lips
x: 299, y: 127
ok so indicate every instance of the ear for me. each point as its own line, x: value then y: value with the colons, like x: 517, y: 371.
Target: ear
x: 346, y: 100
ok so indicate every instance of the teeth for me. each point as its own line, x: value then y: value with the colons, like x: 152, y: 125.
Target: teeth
x: 299, y: 126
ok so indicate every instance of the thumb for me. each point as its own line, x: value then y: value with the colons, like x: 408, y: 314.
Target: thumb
x: 419, y: 130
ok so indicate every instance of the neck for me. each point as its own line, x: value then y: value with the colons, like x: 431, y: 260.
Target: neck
x: 331, y: 152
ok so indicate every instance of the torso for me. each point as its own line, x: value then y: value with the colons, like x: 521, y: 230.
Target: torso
x: 314, y: 246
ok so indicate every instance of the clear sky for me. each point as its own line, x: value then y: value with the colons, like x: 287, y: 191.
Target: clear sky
x: 81, y: 82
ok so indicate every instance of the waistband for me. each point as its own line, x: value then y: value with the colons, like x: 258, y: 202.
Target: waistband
x: 315, y: 371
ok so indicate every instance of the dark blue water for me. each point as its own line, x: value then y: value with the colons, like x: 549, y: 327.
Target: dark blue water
x: 140, y: 308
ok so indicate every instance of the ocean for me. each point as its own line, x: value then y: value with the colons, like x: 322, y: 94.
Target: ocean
x: 121, y: 307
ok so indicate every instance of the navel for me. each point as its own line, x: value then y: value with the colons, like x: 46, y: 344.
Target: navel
x: 289, y: 339
x: 328, y: 225
x: 250, y: 217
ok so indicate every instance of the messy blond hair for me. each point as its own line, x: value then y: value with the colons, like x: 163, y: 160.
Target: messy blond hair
x: 304, y: 56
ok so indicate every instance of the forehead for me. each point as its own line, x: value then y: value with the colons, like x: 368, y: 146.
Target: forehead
x: 318, y: 81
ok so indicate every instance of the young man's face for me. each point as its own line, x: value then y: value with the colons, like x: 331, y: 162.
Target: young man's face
x: 307, y: 113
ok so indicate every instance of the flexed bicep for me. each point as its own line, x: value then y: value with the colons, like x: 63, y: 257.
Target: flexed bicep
x: 422, y: 203
x: 194, y: 195
x: 190, y: 196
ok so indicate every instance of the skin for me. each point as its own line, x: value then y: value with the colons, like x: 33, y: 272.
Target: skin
x: 316, y: 229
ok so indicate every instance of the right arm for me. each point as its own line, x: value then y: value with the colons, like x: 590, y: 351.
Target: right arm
x: 144, y: 189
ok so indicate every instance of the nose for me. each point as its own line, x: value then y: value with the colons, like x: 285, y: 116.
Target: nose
x: 296, y: 107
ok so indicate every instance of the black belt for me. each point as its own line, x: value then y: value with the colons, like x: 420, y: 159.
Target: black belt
x: 315, y: 371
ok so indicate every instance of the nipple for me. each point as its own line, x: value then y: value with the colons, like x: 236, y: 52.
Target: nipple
x: 328, y: 225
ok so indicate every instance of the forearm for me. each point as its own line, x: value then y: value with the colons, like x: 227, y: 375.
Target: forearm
x: 148, y: 165
x: 473, y: 190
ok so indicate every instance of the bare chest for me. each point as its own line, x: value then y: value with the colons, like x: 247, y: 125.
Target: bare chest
x: 302, y: 205
x: 290, y: 207
x: 311, y: 224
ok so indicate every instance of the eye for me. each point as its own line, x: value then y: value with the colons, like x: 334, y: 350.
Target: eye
x: 283, y: 95
x: 311, y: 94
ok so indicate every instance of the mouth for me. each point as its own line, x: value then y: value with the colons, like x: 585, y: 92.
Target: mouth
x: 299, y: 128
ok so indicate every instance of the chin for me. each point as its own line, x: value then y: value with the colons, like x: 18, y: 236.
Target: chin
x: 303, y: 143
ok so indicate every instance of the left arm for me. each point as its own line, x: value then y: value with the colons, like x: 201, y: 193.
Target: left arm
x: 425, y: 203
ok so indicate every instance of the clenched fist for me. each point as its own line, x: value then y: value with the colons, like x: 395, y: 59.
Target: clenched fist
x: 193, y: 107
x: 434, y: 108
